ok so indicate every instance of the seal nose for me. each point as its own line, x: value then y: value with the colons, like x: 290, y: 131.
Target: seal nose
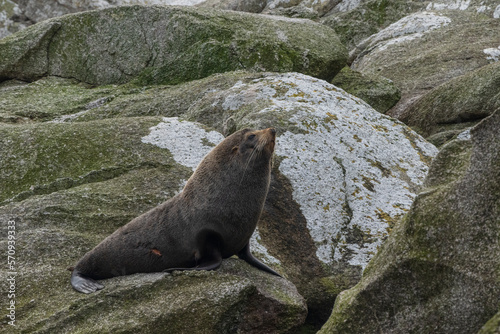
x: 273, y: 131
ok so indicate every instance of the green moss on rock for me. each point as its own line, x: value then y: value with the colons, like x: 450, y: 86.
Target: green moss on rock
x: 42, y: 158
x: 380, y: 93
x: 438, y: 271
x: 168, y: 45
x: 50, y: 97
x: 457, y: 104
x: 492, y: 326
x: 368, y: 18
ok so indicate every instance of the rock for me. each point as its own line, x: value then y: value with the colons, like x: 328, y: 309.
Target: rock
x: 254, y: 6
x: 437, y: 271
x: 378, y: 92
x: 71, y: 184
x: 300, y: 8
x: 235, y: 299
x: 489, y: 7
x: 356, y: 20
x: 342, y: 176
x: 167, y: 45
x: 425, y: 50
x: 16, y: 15
x: 457, y: 104
x: 492, y: 326
x: 11, y: 19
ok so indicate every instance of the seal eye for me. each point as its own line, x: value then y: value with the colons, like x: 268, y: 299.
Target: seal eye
x: 251, y: 137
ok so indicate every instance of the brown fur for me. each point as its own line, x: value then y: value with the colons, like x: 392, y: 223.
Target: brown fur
x: 212, y: 218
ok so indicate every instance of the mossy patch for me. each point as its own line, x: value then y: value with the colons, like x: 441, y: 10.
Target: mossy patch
x: 168, y: 45
x: 54, y: 99
x: 437, y: 272
x: 368, y: 18
x: 457, y: 104
x: 380, y: 93
x: 41, y: 158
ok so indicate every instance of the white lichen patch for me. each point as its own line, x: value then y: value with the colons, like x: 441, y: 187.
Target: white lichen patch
x: 189, y: 142
x: 496, y: 13
x: 353, y: 170
x: 259, y: 250
x: 347, y: 5
x: 453, y: 4
x: 408, y: 28
x: 492, y: 53
x: 465, y: 135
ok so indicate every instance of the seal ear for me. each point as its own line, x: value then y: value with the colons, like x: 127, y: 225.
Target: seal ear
x: 235, y: 149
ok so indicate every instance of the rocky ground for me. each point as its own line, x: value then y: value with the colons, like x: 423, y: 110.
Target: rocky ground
x: 385, y: 193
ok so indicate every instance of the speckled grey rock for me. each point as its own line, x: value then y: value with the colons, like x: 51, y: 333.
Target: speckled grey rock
x: 438, y: 271
x: 460, y: 103
x: 169, y: 45
x: 427, y: 49
x: 379, y: 92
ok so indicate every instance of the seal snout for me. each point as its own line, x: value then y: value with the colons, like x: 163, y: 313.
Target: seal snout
x: 270, y: 137
x: 270, y: 134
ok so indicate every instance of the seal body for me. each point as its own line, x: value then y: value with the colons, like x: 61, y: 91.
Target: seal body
x: 211, y: 219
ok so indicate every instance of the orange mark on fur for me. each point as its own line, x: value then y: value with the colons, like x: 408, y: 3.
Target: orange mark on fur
x: 156, y: 252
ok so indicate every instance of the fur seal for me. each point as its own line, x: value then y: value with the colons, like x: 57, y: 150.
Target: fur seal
x: 211, y: 219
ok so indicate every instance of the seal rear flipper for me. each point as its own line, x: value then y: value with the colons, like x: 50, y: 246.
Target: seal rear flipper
x: 246, y: 255
x: 84, y: 284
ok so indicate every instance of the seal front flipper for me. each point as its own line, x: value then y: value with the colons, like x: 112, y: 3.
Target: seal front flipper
x: 246, y: 255
x: 84, y: 284
x: 211, y: 263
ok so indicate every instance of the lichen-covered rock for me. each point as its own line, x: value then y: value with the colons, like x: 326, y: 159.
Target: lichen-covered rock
x: 425, y: 50
x: 69, y: 185
x: 462, y: 102
x: 356, y: 20
x: 167, y: 45
x: 377, y: 91
x: 340, y: 157
x: 16, y: 15
x: 438, y: 271
x: 10, y: 19
x: 343, y: 172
